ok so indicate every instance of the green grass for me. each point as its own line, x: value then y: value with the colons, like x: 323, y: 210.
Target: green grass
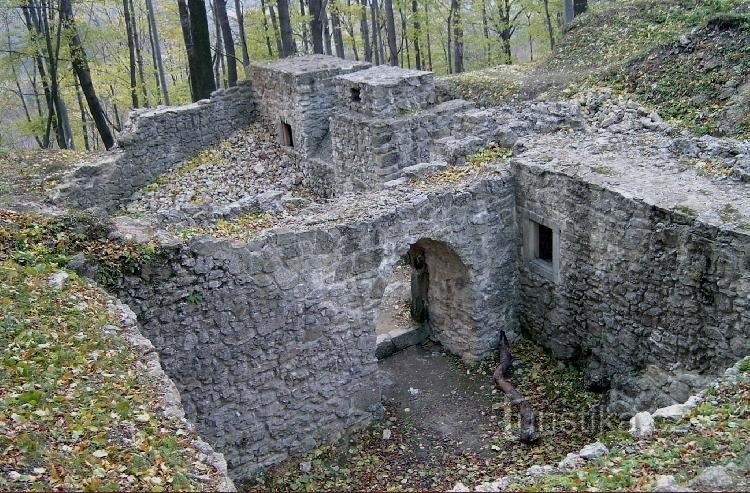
x: 75, y: 410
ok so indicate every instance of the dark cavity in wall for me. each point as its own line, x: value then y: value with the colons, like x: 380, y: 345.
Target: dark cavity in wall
x: 285, y: 134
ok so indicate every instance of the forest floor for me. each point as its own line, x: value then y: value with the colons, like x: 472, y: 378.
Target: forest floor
x: 76, y: 409
x: 688, y: 60
x: 445, y: 422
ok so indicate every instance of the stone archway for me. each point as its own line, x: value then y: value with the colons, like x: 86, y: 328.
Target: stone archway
x: 427, y: 292
x: 449, y: 299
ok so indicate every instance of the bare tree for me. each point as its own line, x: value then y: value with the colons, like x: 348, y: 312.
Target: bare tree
x: 288, y: 47
x: 226, y: 33
x: 364, y: 30
x: 316, y: 25
x: 201, y: 75
x: 156, y: 51
x: 458, y: 35
x: 241, y: 27
x: 391, y: 33
x: 81, y: 68
x: 131, y: 50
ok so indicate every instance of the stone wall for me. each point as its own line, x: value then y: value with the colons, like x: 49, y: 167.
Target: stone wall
x: 638, y: 285
x: 152, y: 142
x: 272, y: 342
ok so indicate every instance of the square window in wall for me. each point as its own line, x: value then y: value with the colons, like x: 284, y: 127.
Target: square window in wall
x: 285, y: 134
x: 542, y: 247
x: 356, y: 94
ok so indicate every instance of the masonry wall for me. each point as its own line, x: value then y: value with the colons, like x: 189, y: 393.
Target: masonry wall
x: 272, y: 343
x: 153, y: 141
x: 638, y: 286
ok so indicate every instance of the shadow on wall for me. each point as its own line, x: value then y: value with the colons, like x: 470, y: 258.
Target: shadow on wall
x: 427, y: 294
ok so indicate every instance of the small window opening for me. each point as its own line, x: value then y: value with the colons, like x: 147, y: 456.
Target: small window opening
x: 544, y: 243
x: 356, y: 93
x: 285, y: 134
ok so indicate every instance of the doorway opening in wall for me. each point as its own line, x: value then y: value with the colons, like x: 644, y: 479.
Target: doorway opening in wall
x: 356, y: 94
x: 285, y: 134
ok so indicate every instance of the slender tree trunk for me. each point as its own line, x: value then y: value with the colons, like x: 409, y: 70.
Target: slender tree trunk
x: 449, y: 50
x: 404, y: 39
x: 219, y: 57
x: 115, y: 110
x: 81, y: 66
x: 18, y: 84
x: 364, y: 30
x: 548, y: 19
x: 84, y: 120
x: 131, y: 51
x: 241, y: 27
x: 52, y: 59
x: 276, y: 35
x: 458, y: 41
x: 265, y: 27
x: 201, y: 76
x: 391, y: 33
x: 375, y: 32
x: 531, y: 38
x: 226, y: 33
x: 156, y: 51
x: 187, y: 38
x: 327, y: 32
x: 288, y: 47
x: 139, y: 56
x: 305, y: 40
x: 486, y: 32
x: 338, y: 38
x: 316, y: 25
x: 34, y: 28
x: 417, y: 32
x: 429, y: 41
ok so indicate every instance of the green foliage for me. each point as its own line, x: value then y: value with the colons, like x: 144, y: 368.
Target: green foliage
x: 38, y: 240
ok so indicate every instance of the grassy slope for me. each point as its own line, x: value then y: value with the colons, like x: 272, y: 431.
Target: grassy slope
x: 75, y: 411
x: 630, y: 45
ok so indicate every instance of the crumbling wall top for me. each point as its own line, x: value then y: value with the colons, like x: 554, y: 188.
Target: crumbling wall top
x: 385, y: 91
x: 308, y: 67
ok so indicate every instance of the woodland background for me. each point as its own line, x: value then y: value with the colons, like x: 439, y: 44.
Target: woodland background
x: 71, y: 70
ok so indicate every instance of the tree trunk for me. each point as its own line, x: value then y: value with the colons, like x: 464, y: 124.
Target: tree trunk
x: 226, y: 33
x: 187, y: 37
x: 458, y: 41
x: 326, y: 33
x: 81, y: 66
x: 316, y: 25
x: 34, y: 28
x: 429, y: 41
x: 548, y: 19
x: 156, y: 51
x: 305, y: 40
x: 139, y: 56
x: 404, y: 39
x: 265, y: 27
x: 84, y: 120
x: 417, y: 31
x: 375, y: 32
x: 531, y: 38
x: 241, y: 27
x: 338, y: 39
x: 486, y: 32
x: 391, y: 33
x: 568, y: 11
x: 53, y: 55
x: 364, y: 30
x: 201, y: 75
x: 449, y: 42
x: 528, y: 432
x: 276, y: 35
x: 131, y: 51
x: 288, y: 47
x: 219, y: 78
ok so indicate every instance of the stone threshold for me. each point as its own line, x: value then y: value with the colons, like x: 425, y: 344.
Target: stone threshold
x: 399, y: 339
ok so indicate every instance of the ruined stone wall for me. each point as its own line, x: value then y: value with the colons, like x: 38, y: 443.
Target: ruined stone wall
x: 153, y: 141
x: 637, y: 285
x: 272, y: 342
x: 368, y: 152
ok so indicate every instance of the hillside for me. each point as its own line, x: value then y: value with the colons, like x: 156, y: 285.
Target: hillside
x: 687, y: 59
